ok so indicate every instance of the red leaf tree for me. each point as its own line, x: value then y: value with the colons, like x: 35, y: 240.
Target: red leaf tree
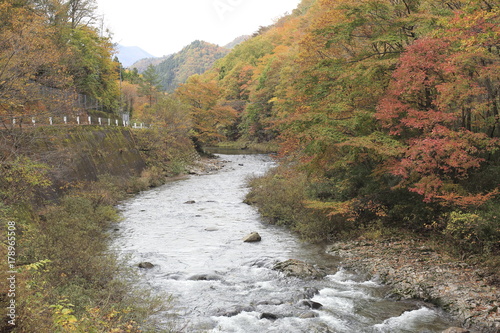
x: 430, y: 106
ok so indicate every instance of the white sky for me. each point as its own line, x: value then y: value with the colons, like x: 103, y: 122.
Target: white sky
x: 162, y: 27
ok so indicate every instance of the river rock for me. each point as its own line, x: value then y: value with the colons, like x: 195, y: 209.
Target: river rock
x: 297, y: 268
x: 235, y: 310
x: 274, y: 301
x: 146, y: 265
x: 204, y: 277
x: 308, y: 315
x: 311, y: 304
x: 456, y: 330
x: 252, y: 238
x: 269, y: 316
x: 310, y: 292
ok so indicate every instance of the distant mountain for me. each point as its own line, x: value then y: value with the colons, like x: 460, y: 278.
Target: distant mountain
x: 128, y: 55
x: 196, y: 58
x: 237, y: 41
x: 143, y: 64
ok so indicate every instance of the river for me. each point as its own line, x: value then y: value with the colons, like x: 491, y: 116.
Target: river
x: 192, y: 231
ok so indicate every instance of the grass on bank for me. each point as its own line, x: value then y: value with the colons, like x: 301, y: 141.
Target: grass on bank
x: 68, y: 280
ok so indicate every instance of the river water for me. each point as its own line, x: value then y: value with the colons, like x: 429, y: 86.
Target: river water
x: 192, y: 231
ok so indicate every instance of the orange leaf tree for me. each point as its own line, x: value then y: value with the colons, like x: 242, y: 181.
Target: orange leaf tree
x: 209, y: 113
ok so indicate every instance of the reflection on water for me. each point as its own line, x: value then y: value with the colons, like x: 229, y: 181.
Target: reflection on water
x: 192, y: 231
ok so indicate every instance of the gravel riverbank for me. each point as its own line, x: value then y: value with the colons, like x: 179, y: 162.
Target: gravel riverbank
x: 414, y: 270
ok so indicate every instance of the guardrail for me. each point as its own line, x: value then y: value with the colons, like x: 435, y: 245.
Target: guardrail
x: 27, y: 122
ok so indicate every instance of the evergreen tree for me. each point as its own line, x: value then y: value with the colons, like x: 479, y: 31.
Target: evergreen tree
x: 150, y: 84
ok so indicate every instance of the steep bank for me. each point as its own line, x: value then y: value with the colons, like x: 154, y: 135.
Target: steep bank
x: 415, y: 270
x: 83, y: 154
x: 59, y: 187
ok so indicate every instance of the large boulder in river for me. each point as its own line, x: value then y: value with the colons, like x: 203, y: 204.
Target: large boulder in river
x: 297, y: 268
x: 252, y: 238
x: 146, y: 265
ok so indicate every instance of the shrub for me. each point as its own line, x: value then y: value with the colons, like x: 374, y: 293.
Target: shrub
x: 477, y: 232
x: 281, y: 198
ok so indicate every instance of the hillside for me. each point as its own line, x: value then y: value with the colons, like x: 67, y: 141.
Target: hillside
x: 195, y: 58
x: 143, y: 64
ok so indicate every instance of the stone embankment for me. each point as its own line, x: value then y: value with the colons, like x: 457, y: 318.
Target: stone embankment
x: 414, y: 270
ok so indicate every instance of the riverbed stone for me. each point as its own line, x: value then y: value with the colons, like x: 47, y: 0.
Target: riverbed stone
x: 235, y: 310
x: 204, y: 277
x: 273, y: 301
x: 309, y: 315
x: 252, y: 238
x: 310, y: 292
x: 311, y: 304
x: 146, y: 265
x: 298, y: 268
x: 269, y: 316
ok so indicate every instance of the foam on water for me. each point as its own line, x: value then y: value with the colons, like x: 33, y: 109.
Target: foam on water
x: 410, y: 321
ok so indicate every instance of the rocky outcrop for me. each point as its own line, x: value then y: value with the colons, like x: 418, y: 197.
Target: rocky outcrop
x: 415, y: 270
x: 300, y: 269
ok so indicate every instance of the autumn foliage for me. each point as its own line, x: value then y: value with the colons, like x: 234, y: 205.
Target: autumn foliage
x: 49, y: 53
x: 390, y: 108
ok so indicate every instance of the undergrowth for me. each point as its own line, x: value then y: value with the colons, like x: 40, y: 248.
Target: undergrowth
x: 68, y: 280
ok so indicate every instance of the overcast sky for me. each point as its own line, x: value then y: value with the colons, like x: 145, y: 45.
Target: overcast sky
x: 162, y: 27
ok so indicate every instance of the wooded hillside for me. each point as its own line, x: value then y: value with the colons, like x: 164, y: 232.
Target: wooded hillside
x: 387, y: 111
x: 196, y: 58
x: 49, y: 53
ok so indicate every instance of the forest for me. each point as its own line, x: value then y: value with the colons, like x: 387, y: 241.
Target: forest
x: 386, y: 113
